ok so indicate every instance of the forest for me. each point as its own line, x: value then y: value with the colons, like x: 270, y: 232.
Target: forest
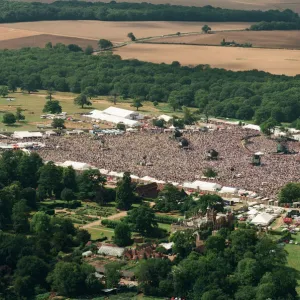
x: 11, y: 11
x: 275, y: 25
x: 243, y: 95
x: 40, y: 253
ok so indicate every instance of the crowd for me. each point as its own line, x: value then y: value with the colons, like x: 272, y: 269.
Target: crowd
x: 158, y: 155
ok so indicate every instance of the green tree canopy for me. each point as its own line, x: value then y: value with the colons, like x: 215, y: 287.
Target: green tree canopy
x: 52, y: 107
x: 124, y: 192
x: 8, y: 119
x: 122, y: 235
x: 82, y: 100
x: 104, y: 44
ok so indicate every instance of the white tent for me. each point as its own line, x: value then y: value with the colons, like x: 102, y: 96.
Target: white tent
x: 111, y: 251
x: 263, y: 219
x: 189, y: 185
x: 252, y: 212
x: 99, y: 115
x: 252, y: 126
x: 229, y: 190
x: 104, y: 171
x: 165, y: 118
x: 123, y: 113
x: 26, y: 134
x: 147, y: 178
x: 79, y: 166
x: 207, y: 186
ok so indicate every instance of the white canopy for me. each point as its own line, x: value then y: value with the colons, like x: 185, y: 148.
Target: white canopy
x: 263, y: 219
x: 207, y: 186
x: 26, y: 134
x: 252, y: 212
x: 123, y: 113
x: 229, y: 190
x: 111, y: 251
x: 165, y: 118
x: 252, y: 126
x: 76, y: 165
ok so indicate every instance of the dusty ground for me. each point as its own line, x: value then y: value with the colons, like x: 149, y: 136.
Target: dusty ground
x: 276, y: 61
x: 41, y: 39
x: 267, y: 39
x: 234, y: 4
x: 117, y: 31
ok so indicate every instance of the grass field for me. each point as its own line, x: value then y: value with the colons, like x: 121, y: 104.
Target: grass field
x: 264, y: 39
x: 294, y: 260
x: 99, y: 232
x: 33, y: 104
x: 115, y: 31
x: 276, y: 61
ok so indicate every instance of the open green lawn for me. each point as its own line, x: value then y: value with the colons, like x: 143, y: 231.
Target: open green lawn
x: 165, y: 226
x: 33, y: 104
x: 294, y: 260
x: 100, y: 232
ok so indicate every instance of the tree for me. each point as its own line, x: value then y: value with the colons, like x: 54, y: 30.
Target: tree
x: 67, y: 195
x: 13, y: 83
x: 248, y: 271
x: 58, y: 123
x: 20, y: 217
x: 131, y: 36
x: 89, y: 50
x: 122, y: 235
x: 112, y: 274
x: 268, y: 126
x: 152, y: 276
x: 67, y: 279
x: 188, y: 118
x: 82, y: 100
x: 52, y: 107
x: 121, y: 126
x: 50, y: 93
x: 50, y: 177
x: 124, y: 192
x: 19, y: 115
x: 29, y: 194
x: 290, y: 193
x: 155, y: 103
x: 9, y: 119
x: 212, y: 201
x: 104, y: 44
x: 206, y: 28
x: 40, y: 223
x: 210, y: 173
x: 137, y: 103
x: 74, y: 48
x: 143, y: 219
x: 3, y: 90
x: 215, y: 244
x: 90, y: 92
x: 173, y: 100
x: 82, y: 236
x: 184, y: 242
x: 69, y: 178
x: 90, y: 182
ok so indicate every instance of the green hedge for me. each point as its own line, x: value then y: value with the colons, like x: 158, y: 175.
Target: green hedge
x: 71, y: 204
x: 165, y: 219
x: 110, y: 223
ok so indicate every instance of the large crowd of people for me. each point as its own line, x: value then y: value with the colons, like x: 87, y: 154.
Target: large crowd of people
x: 159, y: 156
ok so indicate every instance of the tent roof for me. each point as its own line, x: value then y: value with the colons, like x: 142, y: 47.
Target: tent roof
x: 230, y: 190
x: 112, y: 251
x: 119, y: 112
x: 76, y: 165
x: 26, y: 134
x: 165, y: 118
x: 252, y: 126
x: 263, y: 219
x: 207, y: 186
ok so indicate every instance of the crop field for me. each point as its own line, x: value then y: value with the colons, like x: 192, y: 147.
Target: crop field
x: 276, y: 61
x: 233, y: 4
x: 117, y: 31
x: 41, y: 39
x: 264, y: 39
x: 7, y: 33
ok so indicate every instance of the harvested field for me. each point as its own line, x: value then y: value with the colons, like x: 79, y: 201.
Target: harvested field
x: 233, y: 4
x: 238, y: 59
x: 42, y: 39
x: 265, y: 39
x: 117, y: 31
x: 14, y: 33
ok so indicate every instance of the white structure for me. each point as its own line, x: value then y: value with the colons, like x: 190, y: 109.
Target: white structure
x: 123, y: 113
x: 167, y: 246
x: 202, y: 185
x: 228, y: 190
x: 111, y: 251
x: 26, y: 134
x: 98, y: 115
x: 252, y: 126
x: 78, y: 166
x: 165, y: 118
x: 87, y: 254
x: 263, y: 219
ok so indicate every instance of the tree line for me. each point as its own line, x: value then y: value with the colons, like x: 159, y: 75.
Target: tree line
x: 243, y: 95
x: 275, y: 25
x: 11, y: 11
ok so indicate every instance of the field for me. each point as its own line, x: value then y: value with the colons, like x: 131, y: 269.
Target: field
x: 33, y: 104
x: 41, y: 39
x: 116, y: 31
x: 233, y: 4
x: 7, y: 33
x: 276, y: 61
x: 264, y: 39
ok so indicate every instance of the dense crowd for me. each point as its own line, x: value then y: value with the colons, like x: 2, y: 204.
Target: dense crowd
x: 158, y: 155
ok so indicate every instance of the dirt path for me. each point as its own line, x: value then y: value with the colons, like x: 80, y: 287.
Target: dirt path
x: 278, y: 223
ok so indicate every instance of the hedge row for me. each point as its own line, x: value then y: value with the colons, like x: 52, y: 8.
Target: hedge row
x: 165, y: 219
x: 110, y: 223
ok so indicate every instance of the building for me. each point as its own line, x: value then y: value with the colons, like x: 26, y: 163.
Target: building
x: 116, y: 115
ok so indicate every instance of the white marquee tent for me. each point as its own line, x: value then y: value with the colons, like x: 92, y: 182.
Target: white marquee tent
x: 263, y: 219
x: 26, y: 134
x: 79, y: 166
x: 123, y: 113
x: 228, y: 190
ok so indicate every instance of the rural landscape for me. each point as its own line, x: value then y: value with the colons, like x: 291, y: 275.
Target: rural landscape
x: 149, y: 150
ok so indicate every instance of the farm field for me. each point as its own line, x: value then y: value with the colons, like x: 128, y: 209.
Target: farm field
x: 7, y: 33
x: 117, y: 31
x: 276, y: 61
x: 41, y: 39
x: 233, y: 4
x: 264, y: 39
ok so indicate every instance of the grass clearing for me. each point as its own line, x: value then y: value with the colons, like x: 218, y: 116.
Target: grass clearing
x: 32, y: 106
x: 293, y: 261
x: 100, y: 232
